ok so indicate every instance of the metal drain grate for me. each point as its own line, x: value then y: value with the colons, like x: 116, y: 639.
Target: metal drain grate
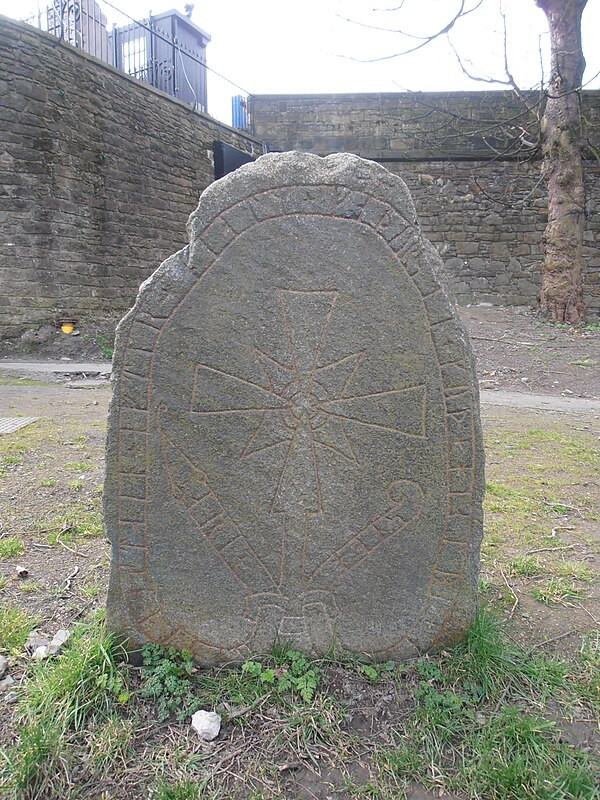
x: 12, y: 424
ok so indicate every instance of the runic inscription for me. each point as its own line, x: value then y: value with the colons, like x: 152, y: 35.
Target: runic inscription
x: 305, y: 405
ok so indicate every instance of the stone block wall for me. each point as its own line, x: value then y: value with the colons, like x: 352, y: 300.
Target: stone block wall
x: 478, y: 194
x: 98, y: 176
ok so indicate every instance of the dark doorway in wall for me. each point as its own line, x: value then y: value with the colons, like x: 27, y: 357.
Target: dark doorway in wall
x: 228, y: 158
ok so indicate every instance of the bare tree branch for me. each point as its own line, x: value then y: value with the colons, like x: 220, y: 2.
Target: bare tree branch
x: 423, y: 40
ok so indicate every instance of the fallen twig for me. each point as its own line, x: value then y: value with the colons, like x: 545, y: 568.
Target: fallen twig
x: 69, y: 579
x: 512, y: 591
x: 562, y: 528
x: 590, y: 615
x: 559, y: 504
x: 81, y: 611
x: 66, y: 546
x: 550, y: 549
x: 553, y: 639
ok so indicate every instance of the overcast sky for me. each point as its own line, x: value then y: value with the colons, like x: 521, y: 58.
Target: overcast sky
x: 319, y: 46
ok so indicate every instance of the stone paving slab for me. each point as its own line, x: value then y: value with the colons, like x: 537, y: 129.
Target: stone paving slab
x: 543, y: 402
x: 12, y: 424
x: 58, y: 367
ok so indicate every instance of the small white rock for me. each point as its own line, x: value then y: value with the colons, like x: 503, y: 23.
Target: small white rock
x: 11, y: 698
x: 3, y: 666
x: 60, y: 638
x: 207, y: 725
x: 41, y: 652
x: 35, y: 640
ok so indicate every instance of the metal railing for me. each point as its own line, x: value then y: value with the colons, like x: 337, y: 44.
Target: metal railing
x: 166, y: 51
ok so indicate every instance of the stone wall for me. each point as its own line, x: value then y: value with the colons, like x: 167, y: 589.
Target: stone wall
x: 99, y: 174
x: 476, y: 184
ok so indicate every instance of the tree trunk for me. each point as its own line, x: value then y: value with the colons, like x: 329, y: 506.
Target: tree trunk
x: 561, y: 295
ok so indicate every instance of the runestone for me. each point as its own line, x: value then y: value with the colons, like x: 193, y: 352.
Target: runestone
x: 294, y: 448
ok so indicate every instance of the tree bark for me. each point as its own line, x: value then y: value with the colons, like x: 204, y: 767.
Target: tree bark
x: 561, y: 294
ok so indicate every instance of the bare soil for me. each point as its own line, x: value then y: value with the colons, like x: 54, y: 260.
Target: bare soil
x: 516, y: 350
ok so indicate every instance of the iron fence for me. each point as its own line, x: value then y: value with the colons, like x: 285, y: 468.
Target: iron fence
x: 166, y: 51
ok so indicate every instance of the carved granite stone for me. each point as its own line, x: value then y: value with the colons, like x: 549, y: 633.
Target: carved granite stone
x: 294, y: 448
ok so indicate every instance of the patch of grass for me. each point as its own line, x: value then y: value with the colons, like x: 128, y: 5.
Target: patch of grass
x: 76, y: 485
x: 59, y: 700
x: 78, y: 442
x: 524, y: 565
x: 111, y: 739
x: 29, y: 586
x: 79, y: 466
x: 7, y: 380
x: 11, y: 546
x: 166, y: 680
x: 590, y: 650
x: 90, y: 589
x: 576, y: 570
x: 48, y: 482
x: 557, y: 591
x: 549, y: 446
x: 15, y: 627
x: 75, y: 522
x: 27, y: 439
x: 105, y: 345
x: 3, y: 582
x: 11, y: 460
x: 291, y: 672
x: 585, y: 361
x: 469, y: 732
x: 181, y: 790
x: 514, y: 755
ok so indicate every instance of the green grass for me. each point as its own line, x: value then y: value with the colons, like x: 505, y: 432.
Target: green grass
x: 27, y: 439
x: 29, y: 587
x: 48, y: 482
x: 79, y: 466
x: 585, y: 361
x: 575, y: 570
x: 525, y: 566
x: 590, y: 650
x: 557, y: 591
x: 62, y: 698
x: 11, y: 546
x: 472, y: 723
x: 471, y: 732
x: 11, y: 460
x: 8, y: 381
x: 181, y: 790
x: 89, y: 589
x: 15, y: 627
x: 106, y: 346
x: 529, y: 566
x: 75, y: 522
